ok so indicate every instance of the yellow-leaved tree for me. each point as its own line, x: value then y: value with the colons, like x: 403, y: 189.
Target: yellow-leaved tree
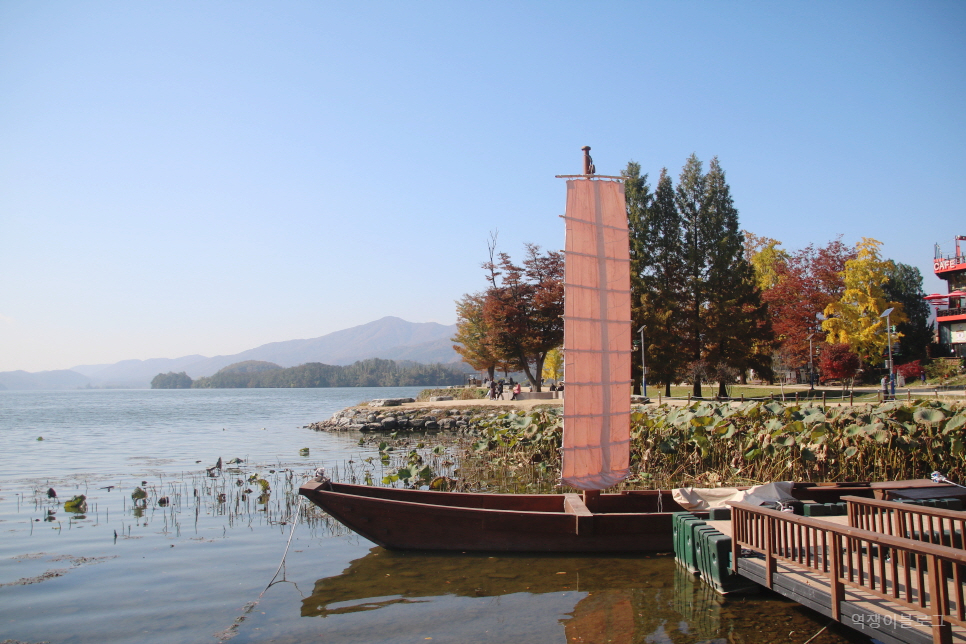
x: 553, y: 365
x: 854, y: 320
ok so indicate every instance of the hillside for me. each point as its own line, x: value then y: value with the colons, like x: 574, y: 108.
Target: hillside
x: 389, y: 338
x: 373, y: 372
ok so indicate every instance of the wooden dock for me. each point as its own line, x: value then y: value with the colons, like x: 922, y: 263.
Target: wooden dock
x: 893, y: 571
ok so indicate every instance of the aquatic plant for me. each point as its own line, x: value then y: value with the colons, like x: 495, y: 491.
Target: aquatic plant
x: 709, y: 443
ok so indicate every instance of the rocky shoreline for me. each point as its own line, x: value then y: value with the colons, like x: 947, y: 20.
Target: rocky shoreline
x: 374, y: 417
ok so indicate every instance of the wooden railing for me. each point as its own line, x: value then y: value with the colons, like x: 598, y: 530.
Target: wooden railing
x: 924, y: 577
x: 916, y: 522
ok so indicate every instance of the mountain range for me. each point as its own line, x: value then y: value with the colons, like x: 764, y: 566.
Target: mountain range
x: 390, y: 338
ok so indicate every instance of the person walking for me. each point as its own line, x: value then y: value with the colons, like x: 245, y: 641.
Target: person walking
x: 492, y: 394
x: 499, y: 390
x: 516, y: 391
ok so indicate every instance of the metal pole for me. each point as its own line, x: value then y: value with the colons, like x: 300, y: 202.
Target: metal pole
x: 892, y: 371
x: 892, y: 377
x: 811, y: 365
x: 643, y: 364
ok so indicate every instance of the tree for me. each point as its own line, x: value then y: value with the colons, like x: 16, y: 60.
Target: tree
x: 765, y: 256
x: 854, y: 319
x: 803, y: 284
x: 171, y: 380
x: 689, y: 196
x: 839, y: 362
x: 737, y: 328
x: 553, y: 365
x: 657, y: 277
x: 523, y: 309
x: 905, y: 286
x: 471, y: 334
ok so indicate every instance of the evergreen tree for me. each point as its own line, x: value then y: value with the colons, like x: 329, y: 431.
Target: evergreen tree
x: 661, y: 285
x: 905, y: 286
x: 637, y: 196
x: 737, y: 328
x: 689, y: 198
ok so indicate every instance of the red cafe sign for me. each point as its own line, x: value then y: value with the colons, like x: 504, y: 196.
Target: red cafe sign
x: 944, y: 264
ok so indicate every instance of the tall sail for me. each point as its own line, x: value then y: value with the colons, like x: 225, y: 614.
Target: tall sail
x: 597, y: 335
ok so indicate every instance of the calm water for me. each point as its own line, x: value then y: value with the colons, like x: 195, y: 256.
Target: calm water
x: 191, y: 567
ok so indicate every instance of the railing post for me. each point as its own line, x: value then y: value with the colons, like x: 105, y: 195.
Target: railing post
x: 941, y: 633
x: 836, y: 586
x: 737, y: 534
x: 770, y: 563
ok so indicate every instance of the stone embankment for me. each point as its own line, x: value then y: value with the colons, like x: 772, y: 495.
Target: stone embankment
x: 375, y: 417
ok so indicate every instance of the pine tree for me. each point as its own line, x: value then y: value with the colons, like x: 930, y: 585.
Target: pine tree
x: 905, y: 286
x: 662, y: 286
x: 689, y: 199
x: 737, y: 328
x: 637, y: 197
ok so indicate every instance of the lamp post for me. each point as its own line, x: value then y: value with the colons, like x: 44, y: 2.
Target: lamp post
x: 643, y: 364
x: 892, y: 376
x: 811, y: 364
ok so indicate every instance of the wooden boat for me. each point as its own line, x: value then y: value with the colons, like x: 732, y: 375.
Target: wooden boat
x: 631, y: 521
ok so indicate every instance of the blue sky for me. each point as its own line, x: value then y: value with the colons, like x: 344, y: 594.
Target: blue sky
x: 205, y: 177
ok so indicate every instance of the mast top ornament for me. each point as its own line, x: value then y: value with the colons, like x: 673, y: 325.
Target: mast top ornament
x: 588, y: 161
x: 590, y: 172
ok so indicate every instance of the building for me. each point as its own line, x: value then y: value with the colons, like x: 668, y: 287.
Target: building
x: 951, y: 307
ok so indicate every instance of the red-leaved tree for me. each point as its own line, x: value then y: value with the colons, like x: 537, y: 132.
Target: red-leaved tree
x: 805, y: 283
x: 523, y: 309
x: 839, y: 363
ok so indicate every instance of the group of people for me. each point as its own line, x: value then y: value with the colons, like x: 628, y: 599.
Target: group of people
x: 497, y: 386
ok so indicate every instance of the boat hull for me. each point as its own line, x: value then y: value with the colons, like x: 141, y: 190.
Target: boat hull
x: 421, y: 520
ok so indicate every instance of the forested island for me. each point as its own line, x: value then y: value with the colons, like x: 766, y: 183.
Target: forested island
x: 373, y: 372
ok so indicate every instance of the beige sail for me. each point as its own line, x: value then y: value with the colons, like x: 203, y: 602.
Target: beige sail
x: 597, y: 336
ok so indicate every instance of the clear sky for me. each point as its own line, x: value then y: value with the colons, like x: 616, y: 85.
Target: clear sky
x: 205, y: 177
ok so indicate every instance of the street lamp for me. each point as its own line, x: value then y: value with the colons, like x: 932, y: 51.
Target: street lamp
x: 811, y: 365
x: 643, y: 363
x: 892, y: 375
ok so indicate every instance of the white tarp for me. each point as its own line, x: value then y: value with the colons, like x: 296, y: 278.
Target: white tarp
x: 698, y: 498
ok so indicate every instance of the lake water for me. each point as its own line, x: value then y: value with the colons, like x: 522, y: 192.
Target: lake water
x: 190, y: 563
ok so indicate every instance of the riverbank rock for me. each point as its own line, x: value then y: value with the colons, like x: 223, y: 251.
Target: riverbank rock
x: 463, y: 420
x: 390, y: 402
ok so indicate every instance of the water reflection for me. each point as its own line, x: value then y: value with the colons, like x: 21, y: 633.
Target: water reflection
x: 616, y: 598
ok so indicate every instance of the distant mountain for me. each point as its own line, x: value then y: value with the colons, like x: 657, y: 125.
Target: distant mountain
x: 135, y: 373
x: 390, y: 338
x: 61, y: 379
